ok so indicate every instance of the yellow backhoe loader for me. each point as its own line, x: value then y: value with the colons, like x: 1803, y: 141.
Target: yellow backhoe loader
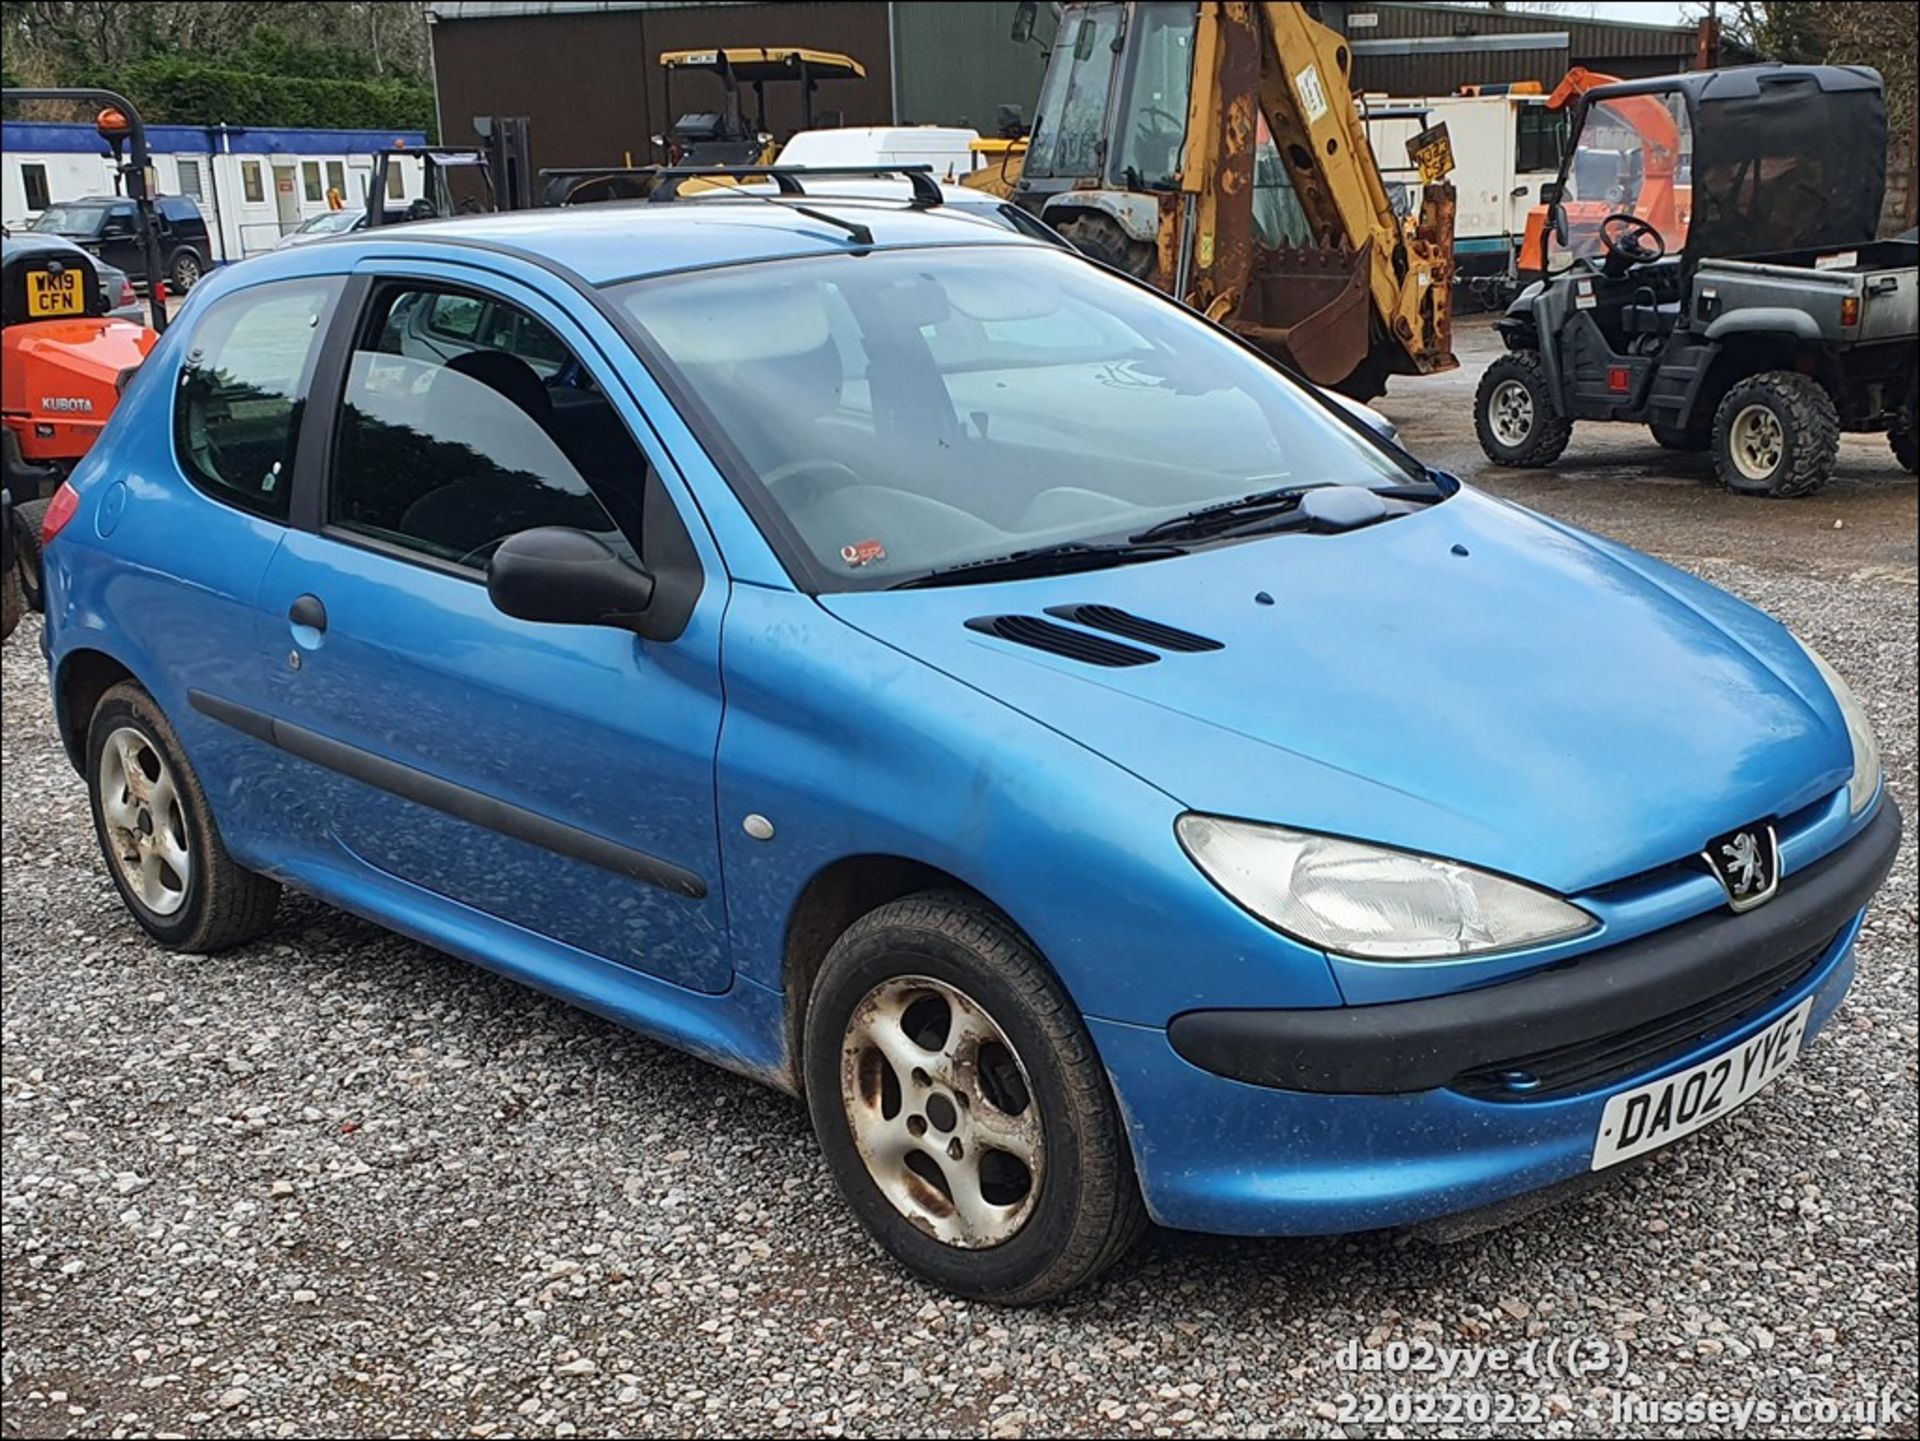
x: 1215, y: 150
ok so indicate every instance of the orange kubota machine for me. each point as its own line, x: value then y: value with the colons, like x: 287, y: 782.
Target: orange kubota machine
x: 63, y: 359
x: 1646, y: 183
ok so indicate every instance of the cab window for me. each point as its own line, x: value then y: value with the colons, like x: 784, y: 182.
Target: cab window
x: 445, y: 450
x: 236, y: 415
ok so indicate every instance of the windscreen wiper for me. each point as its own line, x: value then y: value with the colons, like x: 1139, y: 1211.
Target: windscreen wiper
x: 1069, y: 555
x: 1225, y: 514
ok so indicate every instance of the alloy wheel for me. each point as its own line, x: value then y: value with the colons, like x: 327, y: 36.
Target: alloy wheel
x: 942, y: 1112
x: 1510, y: 410
x: 1756, y: 442
x: 146, y: 824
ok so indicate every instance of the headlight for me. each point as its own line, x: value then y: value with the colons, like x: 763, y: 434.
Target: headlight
x: 1367, y: 901
x: 1866, y: 751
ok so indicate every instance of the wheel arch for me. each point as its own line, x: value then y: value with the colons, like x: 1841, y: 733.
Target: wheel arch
x: 83, y: 676
x: 834, y: 897
x: 1746, y: 353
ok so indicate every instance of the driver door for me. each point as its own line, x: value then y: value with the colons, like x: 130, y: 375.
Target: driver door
x: 557, y: 778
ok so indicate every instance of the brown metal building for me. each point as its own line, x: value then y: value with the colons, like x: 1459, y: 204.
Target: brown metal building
x: 587, y: 74
x: 1413, y: 49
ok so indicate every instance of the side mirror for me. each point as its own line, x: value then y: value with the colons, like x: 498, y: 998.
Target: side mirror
x: 1552, y: 192
x: 1023, y: 17
x: 561, y: 576
x: 1553, y: 195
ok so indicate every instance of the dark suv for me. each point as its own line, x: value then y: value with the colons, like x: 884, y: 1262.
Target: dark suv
x: 104, y: 224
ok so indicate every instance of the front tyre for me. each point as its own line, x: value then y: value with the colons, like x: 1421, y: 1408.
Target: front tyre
x: 1776, y: 435
x: 1514, y: 416
x: 1902, y: 435
x: 961, y: 1107
x: 162, y: 849
x: 1099, y: 235
x: 27, y: 520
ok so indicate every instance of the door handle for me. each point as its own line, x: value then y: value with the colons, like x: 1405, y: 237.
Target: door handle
x: 307, y: 611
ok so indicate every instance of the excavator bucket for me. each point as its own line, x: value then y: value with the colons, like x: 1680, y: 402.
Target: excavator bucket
x: 1310, y: 309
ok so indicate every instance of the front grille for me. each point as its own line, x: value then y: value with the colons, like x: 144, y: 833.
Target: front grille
x: 1605, y: 1060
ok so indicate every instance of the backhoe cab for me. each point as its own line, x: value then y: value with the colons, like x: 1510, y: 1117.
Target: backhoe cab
x: 1215, y: 151
x: 727, y: 136
x: 1713, y: 274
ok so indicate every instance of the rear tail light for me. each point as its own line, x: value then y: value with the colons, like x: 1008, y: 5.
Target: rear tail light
x: 66, y: 500
x: 127, y: 296
x: 1850, y: 310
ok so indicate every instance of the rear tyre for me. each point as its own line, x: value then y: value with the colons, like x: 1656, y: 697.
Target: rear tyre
x: 1513, y: 413
x: 184, y: 271
x: 1688, y: 438
x: 1100, y: 236
x: 961, y: 1106
x: 1775, y: 435
x: 1901, y: 436
x: 157, y: 834
x: 26, y: 542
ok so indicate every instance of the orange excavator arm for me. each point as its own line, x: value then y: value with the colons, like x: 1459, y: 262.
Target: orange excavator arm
x: 1659, y: 138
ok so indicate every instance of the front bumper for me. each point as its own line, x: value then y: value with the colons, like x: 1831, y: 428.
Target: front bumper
x: 1229, y: 1155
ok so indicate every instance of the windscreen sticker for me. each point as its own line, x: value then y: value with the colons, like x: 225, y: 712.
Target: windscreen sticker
x: 862, y: 552
x: 1313, y: 99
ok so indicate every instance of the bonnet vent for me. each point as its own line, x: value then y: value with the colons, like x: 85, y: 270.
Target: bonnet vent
x: 1134, y: 627
x: 1032, y: 631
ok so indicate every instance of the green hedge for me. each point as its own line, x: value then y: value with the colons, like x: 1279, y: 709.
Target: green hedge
x: 171, y: 91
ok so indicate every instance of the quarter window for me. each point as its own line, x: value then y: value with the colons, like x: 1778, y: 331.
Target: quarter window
x: 236, y: 416
x: 448, y: 449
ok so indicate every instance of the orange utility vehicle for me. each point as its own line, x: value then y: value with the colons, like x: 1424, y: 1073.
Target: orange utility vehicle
x: 63, y: 359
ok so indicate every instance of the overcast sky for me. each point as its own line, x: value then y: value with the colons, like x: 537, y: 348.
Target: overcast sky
x: 1650, y: 12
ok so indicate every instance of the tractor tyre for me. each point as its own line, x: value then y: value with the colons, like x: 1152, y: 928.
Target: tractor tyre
x: 1100, y: 236
x: 26, y: 543
x: 13, y: 604
x: 1903, y: 434
x: 1513, y: 413
x: 1775, y: 435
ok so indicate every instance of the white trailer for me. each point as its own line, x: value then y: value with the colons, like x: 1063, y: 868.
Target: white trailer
x: 253, y: 184
x: 1505, y: 147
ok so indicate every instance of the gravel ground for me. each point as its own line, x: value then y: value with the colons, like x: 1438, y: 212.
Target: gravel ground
x: 337, y: 1183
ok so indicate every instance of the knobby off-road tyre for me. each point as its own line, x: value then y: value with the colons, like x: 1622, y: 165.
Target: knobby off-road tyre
x: 13, y: 601
x: 157, y: 835
x: 1775, y: 435
x: 1513, y: 414
x: 1101, y: 237
x: 961, y: 1106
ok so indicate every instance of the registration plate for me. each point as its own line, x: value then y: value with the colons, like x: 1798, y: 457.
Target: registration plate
x: 1649, y: 1116
x: 51, y: 295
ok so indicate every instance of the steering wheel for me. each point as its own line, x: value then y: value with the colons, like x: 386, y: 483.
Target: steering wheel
x: 1626, y: 240
x: 820, y: 468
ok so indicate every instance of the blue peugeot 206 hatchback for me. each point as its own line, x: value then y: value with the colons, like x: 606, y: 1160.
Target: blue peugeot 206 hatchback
x: 922, y: 669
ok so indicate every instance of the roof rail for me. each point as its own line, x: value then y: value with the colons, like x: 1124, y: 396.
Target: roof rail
x: 926, y: 191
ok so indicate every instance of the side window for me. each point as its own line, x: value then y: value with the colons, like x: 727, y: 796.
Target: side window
x: 310, y: 180
x: 1538, y: 134
x: 337, y: 178
x: 236, y: 415
x: 396, y: 181
x: 34, y: 178
x: 190, y: 178
x: 449, y: 455
x: 250, y: 182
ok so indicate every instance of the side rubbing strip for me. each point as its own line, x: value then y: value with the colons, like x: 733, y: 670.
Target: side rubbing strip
x: 461, y: 802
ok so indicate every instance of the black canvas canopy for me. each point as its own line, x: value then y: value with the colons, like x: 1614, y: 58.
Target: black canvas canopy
x: 1785, y: 157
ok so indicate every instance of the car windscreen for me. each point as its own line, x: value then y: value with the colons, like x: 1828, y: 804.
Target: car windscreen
x: 333, y: 222
x: 905, y: 411
x: 71, y: 219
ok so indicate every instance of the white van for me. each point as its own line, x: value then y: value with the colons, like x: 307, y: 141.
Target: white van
x: 947, y: 148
